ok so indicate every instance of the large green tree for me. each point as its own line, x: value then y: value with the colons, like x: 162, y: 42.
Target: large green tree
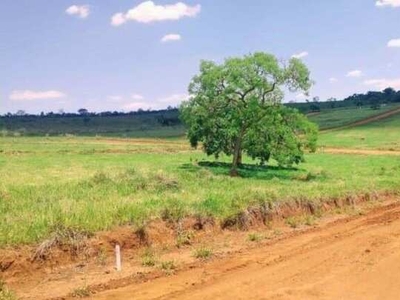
x: 235, y: 107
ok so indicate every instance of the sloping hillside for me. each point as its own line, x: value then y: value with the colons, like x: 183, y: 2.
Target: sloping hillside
x: 337, y: 118
x: 379, y: 132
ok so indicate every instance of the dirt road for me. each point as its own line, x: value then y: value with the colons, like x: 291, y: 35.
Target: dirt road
x: 359, y: 151
x: 356, y: 258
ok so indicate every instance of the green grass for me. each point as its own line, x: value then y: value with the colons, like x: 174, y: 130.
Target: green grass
x: 341, y: 117
x: 92, y: 184
x: 202, y: 253
x: 383, y: 134
x: 5, y: 292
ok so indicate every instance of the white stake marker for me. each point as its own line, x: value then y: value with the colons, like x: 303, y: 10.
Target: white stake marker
x: 118, y: 257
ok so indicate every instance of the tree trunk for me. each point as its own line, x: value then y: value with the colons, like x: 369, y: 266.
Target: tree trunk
x: 240, y: 157
x: 237, y: 157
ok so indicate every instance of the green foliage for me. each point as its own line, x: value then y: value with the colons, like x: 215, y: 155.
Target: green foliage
x: 236, y: 106
x: 202, y: 253
x: 255, y: 237
x: 5, y: 292
x: 168, y: 266
x: 148, y: 258
x: 184, y: 238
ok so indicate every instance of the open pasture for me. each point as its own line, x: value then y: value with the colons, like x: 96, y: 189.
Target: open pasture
x: 99, y: 183
x: 381, y: 135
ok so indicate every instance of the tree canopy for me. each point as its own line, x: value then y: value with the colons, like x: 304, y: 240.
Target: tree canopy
x: 235, y: 107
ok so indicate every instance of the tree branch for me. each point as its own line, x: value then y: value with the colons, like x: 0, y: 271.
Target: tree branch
x: 268, y: 91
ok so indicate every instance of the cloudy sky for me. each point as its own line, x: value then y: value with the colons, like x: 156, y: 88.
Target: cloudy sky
x: 130, y: 54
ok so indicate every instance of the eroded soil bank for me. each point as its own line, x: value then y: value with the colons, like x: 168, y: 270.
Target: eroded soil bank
x: 256, y: 255
x: 352, y: 258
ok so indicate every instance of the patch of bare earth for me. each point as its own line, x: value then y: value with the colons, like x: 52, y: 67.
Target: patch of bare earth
x: 359, y: 151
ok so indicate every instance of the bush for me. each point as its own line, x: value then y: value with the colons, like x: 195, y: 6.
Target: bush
x: 203, y: 253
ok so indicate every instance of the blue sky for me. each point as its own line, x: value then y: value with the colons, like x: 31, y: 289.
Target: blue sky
x: 129, y: 54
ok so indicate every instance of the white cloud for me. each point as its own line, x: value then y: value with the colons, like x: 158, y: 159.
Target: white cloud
x: 148, y: 12
x: 28, y: 95
x: 333, y: 80
x: 355, y: 73
x: 137, y: 97
x: 300, y: 55
x: 395, y: 43
x: 174, y: 99
x: 301, y: 96
x: 137, y: 101
x: 171, y: 37
x: 118, y: 19
x: 384, y: 83
x: 136, y: 106
x: 392, y: 3
x: 82, y: 11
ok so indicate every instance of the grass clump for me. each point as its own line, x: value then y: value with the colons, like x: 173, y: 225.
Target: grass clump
x: 254, y: 237
x: 184, y: 238
x: 203, y: 253
x: 5, y: 292
x: 148, y: 258
x: 81, y: 292
x: 73, y: 239
x: 293, y: 222
x: 168, y: 266
x: 101, y: 257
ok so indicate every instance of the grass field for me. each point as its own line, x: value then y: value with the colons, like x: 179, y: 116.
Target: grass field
x: 383, y: 135
x: 98, y: 183
x: 340, y: 117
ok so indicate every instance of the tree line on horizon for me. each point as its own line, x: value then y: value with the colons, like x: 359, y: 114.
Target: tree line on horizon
x: 371, y: 99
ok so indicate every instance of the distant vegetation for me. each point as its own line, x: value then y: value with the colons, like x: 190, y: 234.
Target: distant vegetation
x: 162, y: 123
x: 166, y: 123
x: 373, y: 100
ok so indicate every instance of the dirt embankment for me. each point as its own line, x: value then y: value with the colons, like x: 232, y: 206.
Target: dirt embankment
x: 281, y: 263
x: 355, y: 258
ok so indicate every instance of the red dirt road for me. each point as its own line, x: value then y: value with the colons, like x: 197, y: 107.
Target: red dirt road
x: 355, y: 258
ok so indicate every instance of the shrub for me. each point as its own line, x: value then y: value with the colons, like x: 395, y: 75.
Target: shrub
x: 202, y: 253
x: 148, y: 258
x: 168, y: 266
x: 184, y: 238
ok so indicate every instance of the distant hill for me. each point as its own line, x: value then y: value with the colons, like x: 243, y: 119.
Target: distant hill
x: 166, y: 123
x: 163, y: 123
x: 380, y: 132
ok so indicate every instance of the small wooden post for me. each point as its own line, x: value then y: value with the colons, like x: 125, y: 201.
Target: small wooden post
x: 118, y: 258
